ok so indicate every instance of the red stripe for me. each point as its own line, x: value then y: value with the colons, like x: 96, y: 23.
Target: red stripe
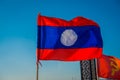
x: 57, y: 22
x: 69, y: 54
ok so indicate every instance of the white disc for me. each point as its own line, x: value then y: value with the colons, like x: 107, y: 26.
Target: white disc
x: 68, y: 37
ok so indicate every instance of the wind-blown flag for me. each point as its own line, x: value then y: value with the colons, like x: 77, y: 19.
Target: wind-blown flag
x: 109, y: 67
x: 58, y: 39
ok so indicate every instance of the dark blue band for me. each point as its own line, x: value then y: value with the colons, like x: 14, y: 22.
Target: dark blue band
x: 88, y: 36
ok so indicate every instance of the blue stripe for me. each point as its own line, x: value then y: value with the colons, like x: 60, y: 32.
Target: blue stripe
x: 88, y: 36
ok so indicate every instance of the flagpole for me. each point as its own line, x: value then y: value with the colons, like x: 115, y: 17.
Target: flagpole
x: 93, y: 69
x: 96, y: 69
x: 37, y: 70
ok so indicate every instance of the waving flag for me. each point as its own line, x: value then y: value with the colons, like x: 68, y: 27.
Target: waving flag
x: 58, y: 39
x: 109, y: 67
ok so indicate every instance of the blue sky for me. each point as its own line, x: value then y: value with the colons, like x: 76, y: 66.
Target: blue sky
x: 18, y: 29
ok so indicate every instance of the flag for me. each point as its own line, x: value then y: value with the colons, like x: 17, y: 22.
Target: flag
x: 109, y: 67
x: 74, y: 40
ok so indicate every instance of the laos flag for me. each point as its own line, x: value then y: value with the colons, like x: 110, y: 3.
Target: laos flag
x: 74, y: 40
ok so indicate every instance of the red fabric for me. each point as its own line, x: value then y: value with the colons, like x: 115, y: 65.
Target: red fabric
x: 68, y: 54
x: 51, y: 21
x: 109, y: 67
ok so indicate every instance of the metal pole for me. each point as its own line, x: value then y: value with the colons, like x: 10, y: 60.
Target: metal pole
x: 37, y: 70
x: 93, y: 69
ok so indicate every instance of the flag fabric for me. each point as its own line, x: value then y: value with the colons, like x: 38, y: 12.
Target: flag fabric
x: 74, y: 40
x: 109, y: 67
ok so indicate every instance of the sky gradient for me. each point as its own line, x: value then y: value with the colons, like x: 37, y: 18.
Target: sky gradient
x: 18, y: 35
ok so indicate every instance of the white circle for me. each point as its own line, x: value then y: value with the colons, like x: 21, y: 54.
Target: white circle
x: 68, y: 37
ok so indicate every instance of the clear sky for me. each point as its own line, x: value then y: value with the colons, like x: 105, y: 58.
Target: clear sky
x: 18, y: 29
